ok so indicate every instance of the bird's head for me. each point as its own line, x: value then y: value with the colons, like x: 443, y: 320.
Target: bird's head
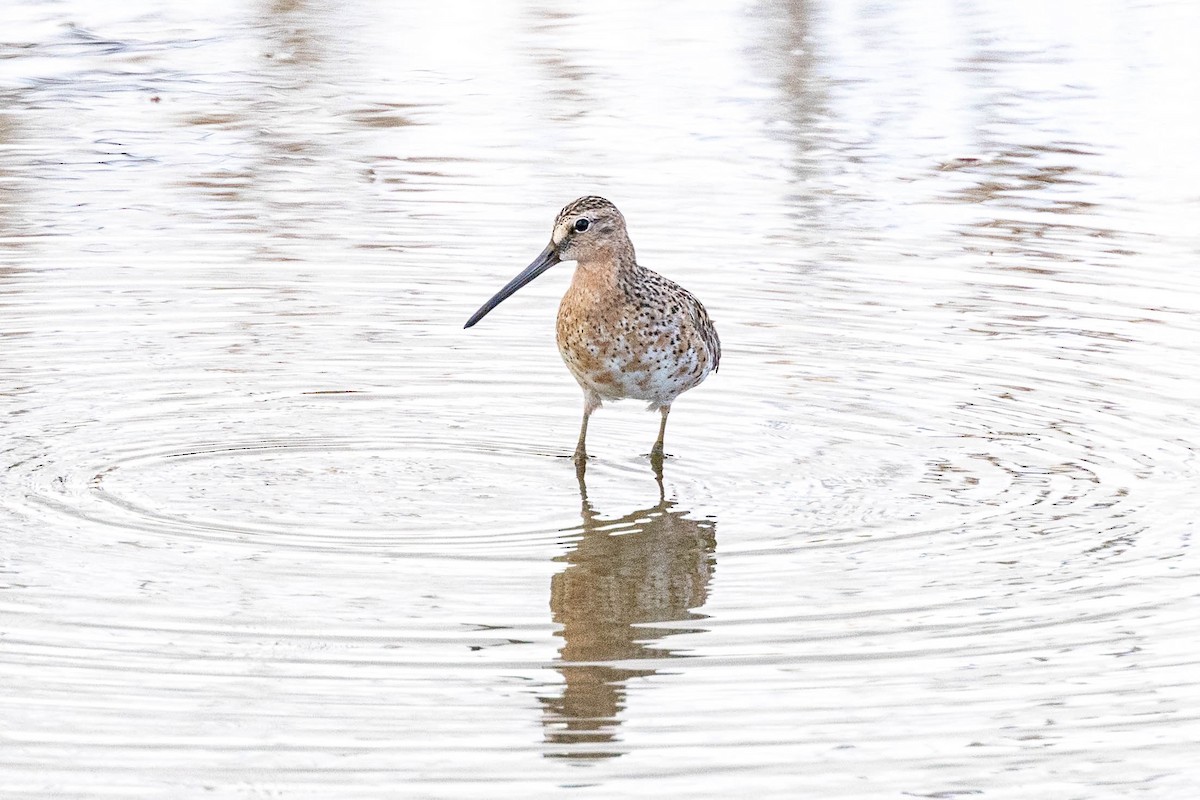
x: 589, y: 229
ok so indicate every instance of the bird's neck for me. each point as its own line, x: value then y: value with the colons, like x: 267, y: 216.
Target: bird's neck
x: 608, y: 265
x: 602, y: 283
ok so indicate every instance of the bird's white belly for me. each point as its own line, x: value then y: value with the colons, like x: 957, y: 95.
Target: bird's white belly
x: 656, y: 376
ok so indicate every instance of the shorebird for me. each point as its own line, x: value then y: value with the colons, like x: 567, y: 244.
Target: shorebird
x: 624, y: 331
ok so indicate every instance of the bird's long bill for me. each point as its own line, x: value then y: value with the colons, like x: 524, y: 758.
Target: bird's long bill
x: 543, y: 262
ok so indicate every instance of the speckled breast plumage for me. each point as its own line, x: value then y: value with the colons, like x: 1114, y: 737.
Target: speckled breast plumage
x: 643, y: 337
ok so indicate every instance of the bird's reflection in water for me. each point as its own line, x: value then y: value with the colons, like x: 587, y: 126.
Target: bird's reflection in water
x: 651, y: 565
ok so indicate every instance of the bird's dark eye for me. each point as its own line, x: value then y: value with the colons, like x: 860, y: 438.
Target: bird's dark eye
x: 581, y: 225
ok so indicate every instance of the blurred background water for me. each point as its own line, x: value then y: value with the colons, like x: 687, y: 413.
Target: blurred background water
x: 273, y: 524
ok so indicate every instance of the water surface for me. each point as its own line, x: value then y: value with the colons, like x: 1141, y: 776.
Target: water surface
x: 273, y: 524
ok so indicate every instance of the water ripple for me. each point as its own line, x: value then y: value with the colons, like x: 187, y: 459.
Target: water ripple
x: 274, y: 524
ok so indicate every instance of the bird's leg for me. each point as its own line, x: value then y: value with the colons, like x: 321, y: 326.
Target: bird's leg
x: 591, y: 402
x: 656, y: 455
x: 580, y: 455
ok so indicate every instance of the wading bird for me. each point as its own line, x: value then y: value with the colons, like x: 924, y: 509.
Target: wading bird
x: 624, y: 331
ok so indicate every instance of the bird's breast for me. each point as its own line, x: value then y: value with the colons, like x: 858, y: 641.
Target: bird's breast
x: 628, y: 349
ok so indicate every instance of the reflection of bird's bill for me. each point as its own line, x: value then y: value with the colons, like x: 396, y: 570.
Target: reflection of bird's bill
x: 547, y: 259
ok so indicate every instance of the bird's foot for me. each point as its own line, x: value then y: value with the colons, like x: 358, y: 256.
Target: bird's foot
x: 657, y: 455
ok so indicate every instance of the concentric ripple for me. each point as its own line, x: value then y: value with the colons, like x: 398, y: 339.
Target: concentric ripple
x: 387, y: 496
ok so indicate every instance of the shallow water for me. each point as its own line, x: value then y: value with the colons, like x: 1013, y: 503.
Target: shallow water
x: 275, y: 525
